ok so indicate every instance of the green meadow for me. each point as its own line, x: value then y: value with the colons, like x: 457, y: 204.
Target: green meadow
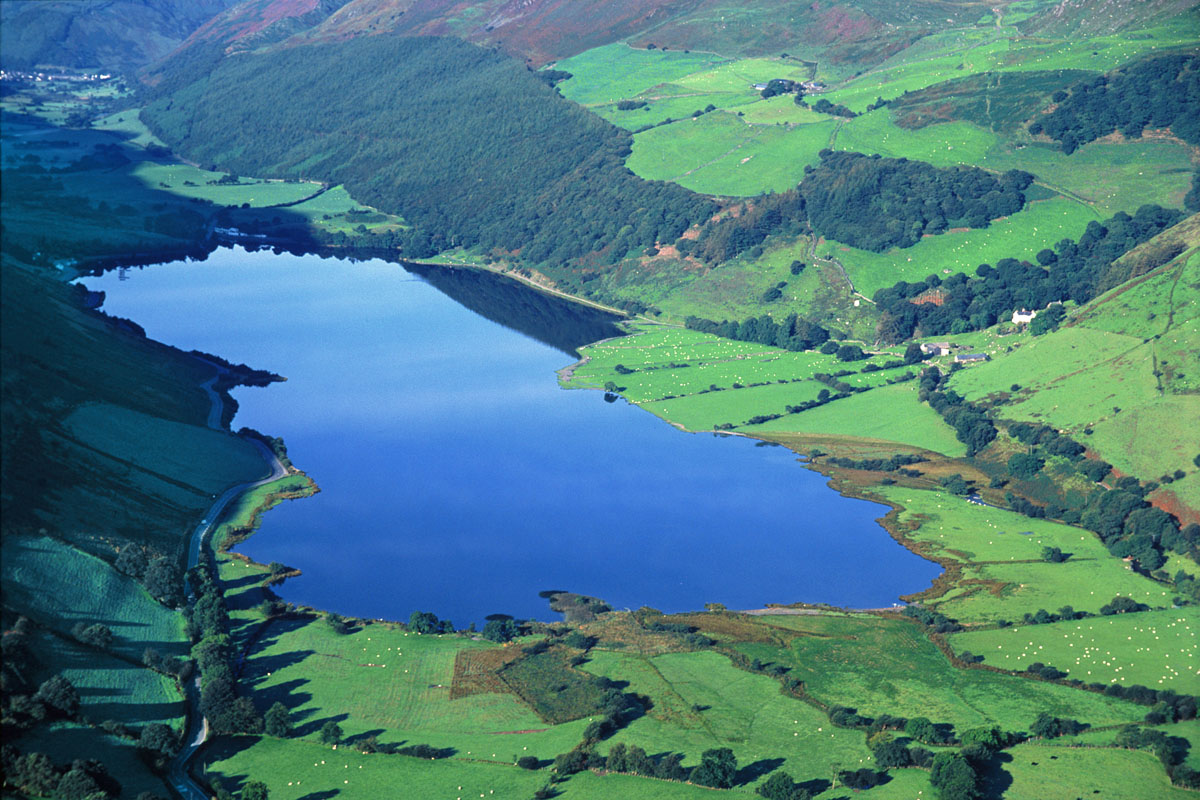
x: 889, y: 413
x: 1159, y: 649
x: 617, y: 71
x: 883, y: 665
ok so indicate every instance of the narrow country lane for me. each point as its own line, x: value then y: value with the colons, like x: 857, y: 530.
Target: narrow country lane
x: 197, y: 729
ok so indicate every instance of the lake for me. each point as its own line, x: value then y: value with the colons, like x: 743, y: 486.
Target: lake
x: 458, y: 477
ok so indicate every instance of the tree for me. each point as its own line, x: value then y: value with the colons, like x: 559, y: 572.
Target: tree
x: 162, y: 580
x: 528, y: 762
x: 780, y: 786
x: 254, y: 790
x: 1054, y: 555
x: 132, y: 561
x: 77, y: 784
x: 277, y: 721
x: 96, y: 634
x: 331, y: 732
x: 953, y: 778
x: 1024, y: 465
x: 159, y: 738
x: 58, y: 694
x: 717, y: 768
x: 892, y: 754
x: 501, y: 630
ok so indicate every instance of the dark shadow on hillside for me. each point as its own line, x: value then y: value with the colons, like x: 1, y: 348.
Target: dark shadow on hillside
x: 325, y: 794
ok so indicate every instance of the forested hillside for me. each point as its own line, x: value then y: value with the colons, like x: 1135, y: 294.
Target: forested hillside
x: 1155, y: 93
x: 479, y: 153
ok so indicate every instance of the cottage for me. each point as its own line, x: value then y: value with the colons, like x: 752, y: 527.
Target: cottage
x: 1023, y: 317
x: 970, y: 358
x: 936, y: 348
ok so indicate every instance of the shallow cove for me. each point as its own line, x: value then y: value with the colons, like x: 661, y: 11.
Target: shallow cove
x: 457, y: 477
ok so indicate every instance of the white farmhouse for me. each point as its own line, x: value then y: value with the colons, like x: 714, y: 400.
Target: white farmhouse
x: 1023, y: 317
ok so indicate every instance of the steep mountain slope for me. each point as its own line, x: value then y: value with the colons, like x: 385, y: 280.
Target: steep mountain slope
x: 98, y: 33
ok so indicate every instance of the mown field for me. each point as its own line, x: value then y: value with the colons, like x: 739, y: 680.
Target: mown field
x: 703, y: 701
x: 1159, y: 649
x: 58, y: 585
x: 386, y: 681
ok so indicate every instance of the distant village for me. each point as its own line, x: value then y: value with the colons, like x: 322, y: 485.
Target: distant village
x: 37, y: 77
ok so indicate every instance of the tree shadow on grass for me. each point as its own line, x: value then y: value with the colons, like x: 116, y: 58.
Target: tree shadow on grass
x: 312, y: 726
x: 755, y: 770
x: 815, y: 786
x: 995, y: 780
x: 325, y: 794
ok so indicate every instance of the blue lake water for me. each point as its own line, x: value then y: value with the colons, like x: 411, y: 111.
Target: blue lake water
x: 457, y: 476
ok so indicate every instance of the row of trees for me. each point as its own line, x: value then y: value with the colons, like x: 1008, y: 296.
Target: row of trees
x: 791, y: 333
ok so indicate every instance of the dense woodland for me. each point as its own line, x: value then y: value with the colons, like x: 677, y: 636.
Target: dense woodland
x: 1076, y: 271
x: 878, y: 203
x: 1159, y: 92
x: 481, y: 151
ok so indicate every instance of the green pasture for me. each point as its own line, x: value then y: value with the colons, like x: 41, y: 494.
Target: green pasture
x: 111, y: 688
x: 1153, y: 304
x: 951, y: 528
x: 185, y: 180
x: 1025, y: 588
x: 64, y: 742
x: 890, y: 413
x: 734, y: 290
x: 1159, y: 649
x: 57, y: 585
x: 395, y: 683
x: 617, y: 71
x: 718, y: 153
x: 1086, y: 378
x: 888, y: 666
x: 1039, y: 225
x: 1108, y: 176
x: 669, y: 101
x: 703, y: 701
x: 295, y: 769
x: 207, y: 459
x: 1046, y: 772
x: 903, y: 784
x: 129, y: 126
x: 661, y: 384
x: 944, y: 144
x: 1001, y: 556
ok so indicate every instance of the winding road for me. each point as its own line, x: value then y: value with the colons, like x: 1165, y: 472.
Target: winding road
x: 197, y: 730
